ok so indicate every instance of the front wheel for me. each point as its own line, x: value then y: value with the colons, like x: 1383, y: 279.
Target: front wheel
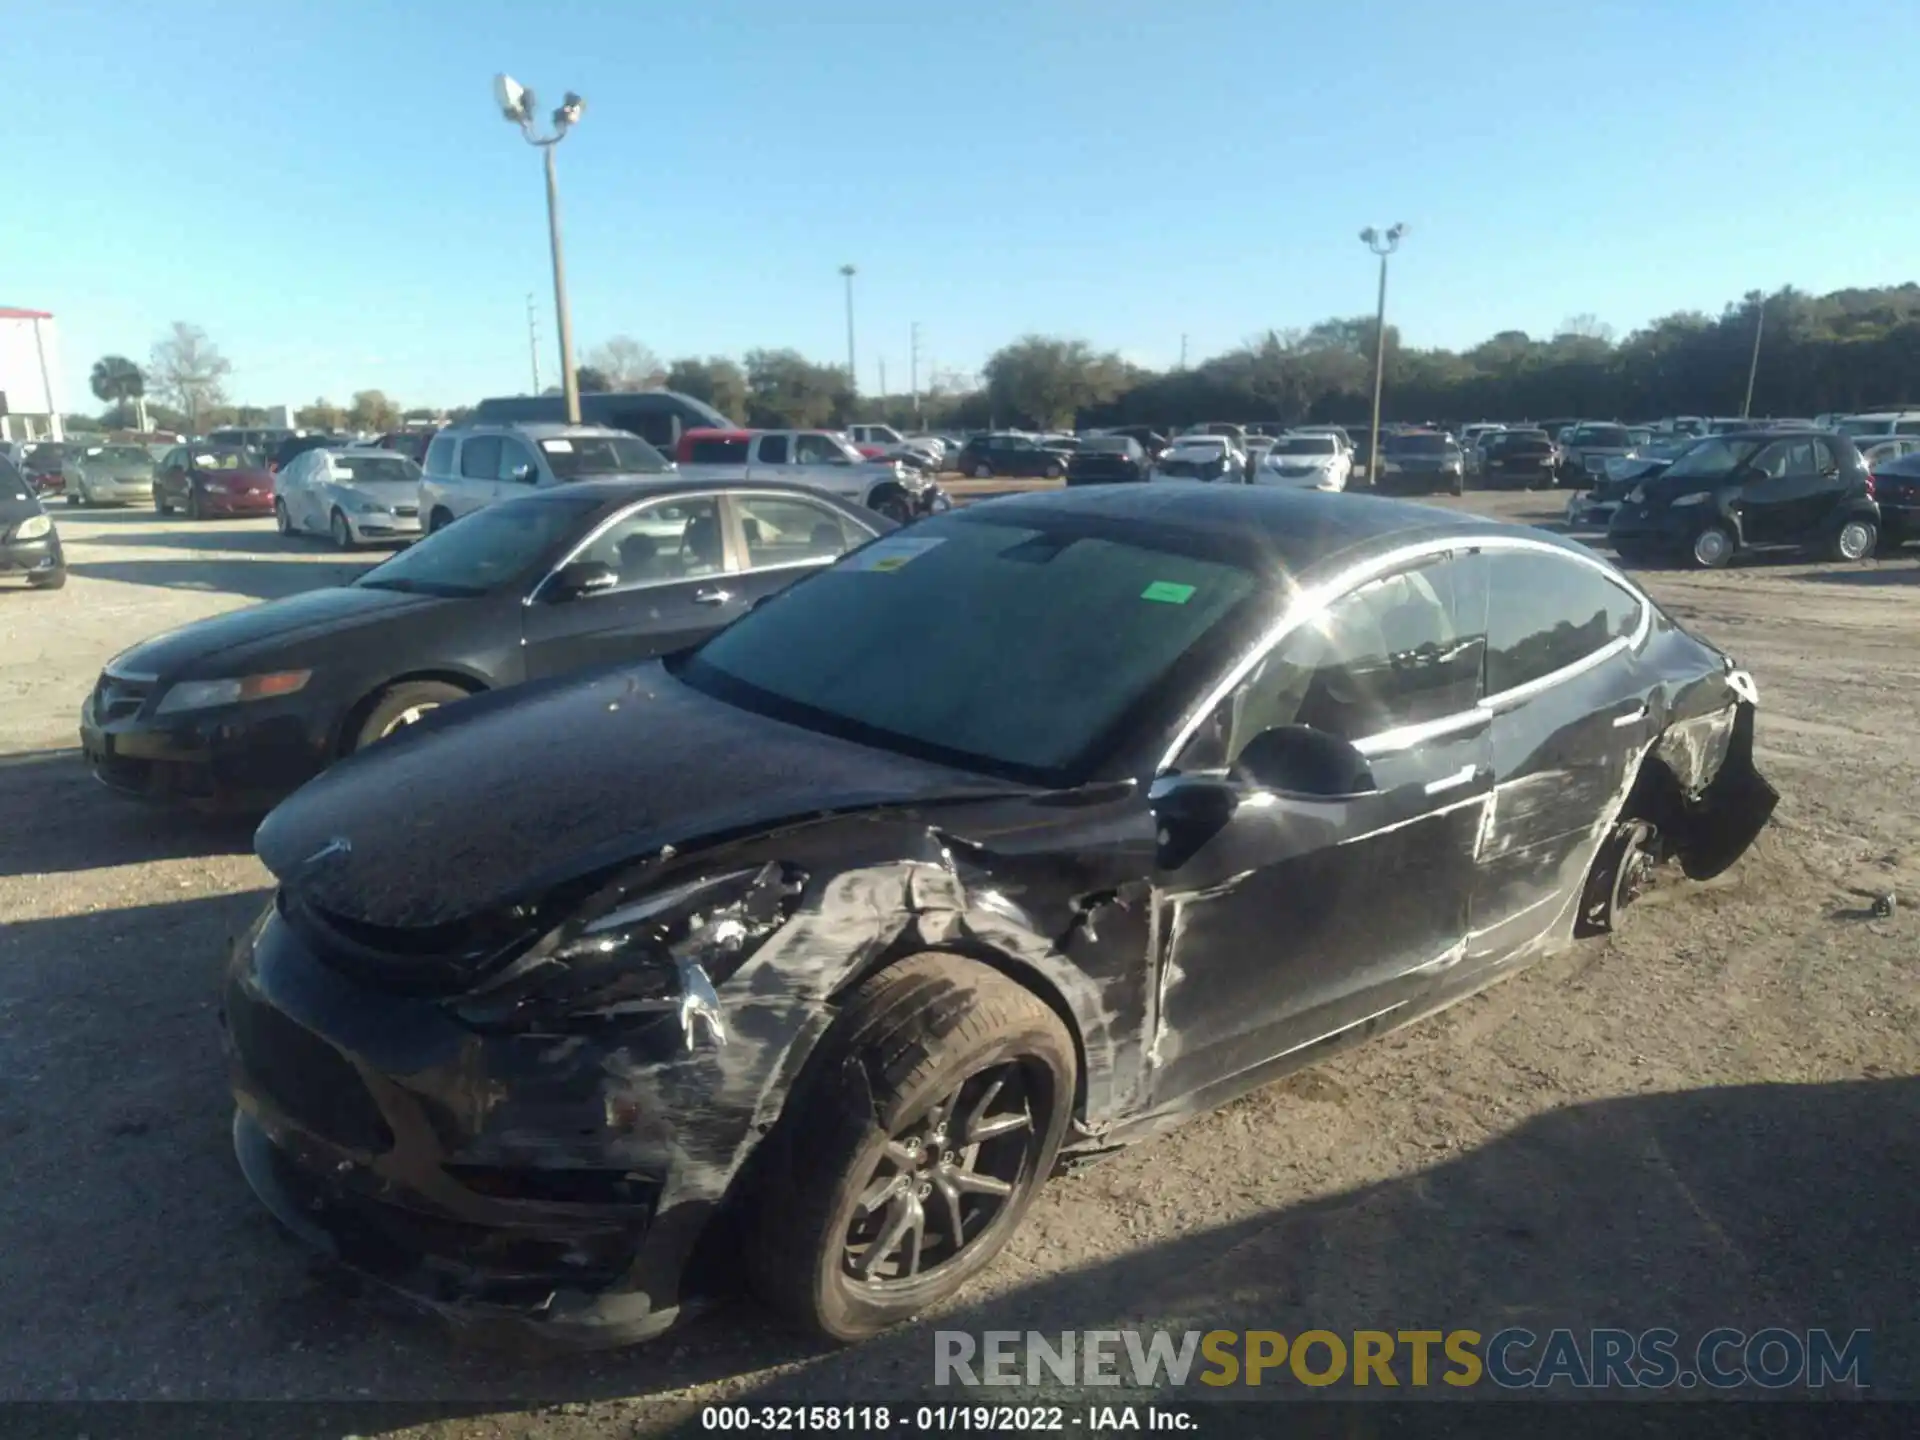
x: 1713, y: 547
x: 282, y: 521
x: 75, y: 499
x: 910, y: 1150
x: 341, y: 531
x: 1053, y: 472
x: 403, y: 705
x: 161, y: 505
x: 983, y: 471
x: 1856, y: 541
x: 194, y: 509
x: 438, y: 520
x: 894, y: 507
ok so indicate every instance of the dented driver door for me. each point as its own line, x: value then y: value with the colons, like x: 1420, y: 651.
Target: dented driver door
x: 1303, y: 918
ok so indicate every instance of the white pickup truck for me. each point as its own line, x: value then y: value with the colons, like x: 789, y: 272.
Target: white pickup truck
x: 819, y: 458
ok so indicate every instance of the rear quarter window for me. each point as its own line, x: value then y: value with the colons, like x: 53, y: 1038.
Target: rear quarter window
x: 440, y: 455
x: 1546, y: 612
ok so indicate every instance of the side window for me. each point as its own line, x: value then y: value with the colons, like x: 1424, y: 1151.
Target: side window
x: 784, y: 530
x: 816, y: 450
x: 656, y: 427
x: 1801, y: 459
x: 1906, y: 427
x: 1548, y: 612
x: 773, y: 450
x: 440, y: 455
x: 480, y: 457
x: 517, y: 465
x: 1400, y: 650
x: 666, y: 540
x: 716, y: 452
x: 1826, y: 458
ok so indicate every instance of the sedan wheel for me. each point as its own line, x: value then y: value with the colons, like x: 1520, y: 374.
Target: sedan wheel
x: 983, y: 471
x: 1713, y: 547
x: 281, y: 520
x: 1856, y: 540
x: 892, y: 1198
x: 194, y: 510
x: 403, y: 706
x: 341, y: 531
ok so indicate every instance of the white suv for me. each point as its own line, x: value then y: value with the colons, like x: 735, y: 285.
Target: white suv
x: 469, y: 467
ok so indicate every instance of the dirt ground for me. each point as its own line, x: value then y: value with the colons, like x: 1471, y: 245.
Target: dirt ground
x: 1709, y: 1119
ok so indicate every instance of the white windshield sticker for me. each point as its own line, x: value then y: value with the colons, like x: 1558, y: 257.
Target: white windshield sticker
x: 889, y: 555
x: 557, y: 447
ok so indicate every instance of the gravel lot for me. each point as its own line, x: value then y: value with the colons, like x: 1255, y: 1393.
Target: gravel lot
x: 1708, y: 1119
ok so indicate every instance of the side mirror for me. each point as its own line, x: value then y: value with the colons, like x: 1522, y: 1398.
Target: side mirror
x: 583, y: 577
x: 1300, y: 760
x: 521, y: 475
x: 1190, y: 812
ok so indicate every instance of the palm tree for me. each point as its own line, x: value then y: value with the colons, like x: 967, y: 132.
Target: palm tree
x: 116, y: 380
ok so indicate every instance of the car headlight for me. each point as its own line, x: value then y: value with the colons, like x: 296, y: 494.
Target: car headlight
x: 33, y: 527
x: 656, y: 955
x: 201, y: 694
x: 1453, y: 464
x: 1698, y: 497
x: 1636, y: 495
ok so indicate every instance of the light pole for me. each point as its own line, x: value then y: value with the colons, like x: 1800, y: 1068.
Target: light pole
x: 1383, y: 246
x: 853, y: 380
x: 1753, y: 365
x: 517, y: 103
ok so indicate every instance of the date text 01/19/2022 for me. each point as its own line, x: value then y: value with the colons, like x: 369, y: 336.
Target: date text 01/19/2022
x: 938, y: 1419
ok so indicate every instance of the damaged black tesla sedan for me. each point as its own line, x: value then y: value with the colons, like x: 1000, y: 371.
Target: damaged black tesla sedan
x: 1013, y: 837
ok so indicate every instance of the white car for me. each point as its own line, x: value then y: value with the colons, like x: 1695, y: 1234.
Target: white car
x: 1306, y: 462
x: 1201, y: 457
x: 355, y: 496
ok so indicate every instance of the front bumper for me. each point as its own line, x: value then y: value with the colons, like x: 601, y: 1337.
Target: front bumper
x: 227, y: 757
x: 519, y: 1181
x: 1584, y: 512
x: 32, y: 557
x: 1400, y: 480
x: 379, y: 526
x: 118, y: 492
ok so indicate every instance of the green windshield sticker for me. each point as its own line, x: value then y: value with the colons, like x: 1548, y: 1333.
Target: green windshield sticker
x: 1167, y: 593
x: 890, y: 554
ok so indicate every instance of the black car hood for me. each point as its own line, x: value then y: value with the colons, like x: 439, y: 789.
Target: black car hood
x: 498, y: 800
x: 297, y: 617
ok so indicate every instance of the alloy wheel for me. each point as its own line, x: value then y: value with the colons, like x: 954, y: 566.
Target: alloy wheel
x: 944, y: 1179
x: 1712, y: 546
x: 412, y: 715
x: 1855, y: 540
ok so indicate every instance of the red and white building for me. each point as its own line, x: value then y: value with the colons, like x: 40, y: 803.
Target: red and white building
x: 30, y: 398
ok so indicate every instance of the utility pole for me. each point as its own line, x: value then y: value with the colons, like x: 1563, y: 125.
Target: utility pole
x: 883, y: 377
x: 853, y: 375
x: 533, y: 343
x: 913, y: 369
x: 1753, y: 365
x: 1183, y: 351
x: 1383, y: 246
x: 516, y: 103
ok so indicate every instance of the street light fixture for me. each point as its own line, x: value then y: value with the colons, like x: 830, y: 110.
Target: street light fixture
x: 517, y: 105
x: 853, y: 380
x: 1383, y: 246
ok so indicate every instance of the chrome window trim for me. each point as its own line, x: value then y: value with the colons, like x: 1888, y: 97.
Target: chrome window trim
x: 607, y: 524
x: 765, y: 494
x: 1310, y: 604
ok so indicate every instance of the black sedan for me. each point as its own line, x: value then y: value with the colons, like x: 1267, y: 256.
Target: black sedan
x: 1106, y: 459
x: 1031, y: 829
x: 985, y: 456
x: 1748, y: 490
x: 1896, y: 487
x: 235, y: 711
x: 29, y: 543
x: 1420, y: 462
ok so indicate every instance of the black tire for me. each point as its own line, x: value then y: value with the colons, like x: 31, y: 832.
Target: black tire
x: 983, y: 471
x: 341, y: 532
x: 161, y: 505
x: 194, y: 512
x: 395, y: 704
x: 49, y: 579
x: 1054, y: 470
x: 1459, y: 487
x: 1854, y: 542
x: 438, y: 520
x: 74, y: 499
x: 910, y: 1039
x: 282, y: 521
x: 1708, y: 553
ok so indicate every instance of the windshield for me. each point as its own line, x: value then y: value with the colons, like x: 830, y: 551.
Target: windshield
x: 485, y: 550
x: 1419, y: 444
x: 1197, y: 450
x: 1016, y: 649
x: 374, y: 469
x: 1709, y: 458
x: 1601, y: 437
x: 579, y: 455
x: 229, y: 459
x: 123, y: 455
x: 13, y: 485
x: 1107, y: 445
x: 1306, y: 445
x: 1855, y: 428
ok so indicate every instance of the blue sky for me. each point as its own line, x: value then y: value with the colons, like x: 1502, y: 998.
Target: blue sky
x: 327, y: 189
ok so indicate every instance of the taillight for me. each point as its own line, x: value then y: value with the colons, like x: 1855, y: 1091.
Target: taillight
x: 1870, y: 485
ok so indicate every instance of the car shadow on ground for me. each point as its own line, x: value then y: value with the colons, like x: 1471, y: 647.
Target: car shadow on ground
x: 218, y: 537
x: 1890, y: 570
x: 1746, y: 1206
x: 65, y: 821
x: 262, y: 579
